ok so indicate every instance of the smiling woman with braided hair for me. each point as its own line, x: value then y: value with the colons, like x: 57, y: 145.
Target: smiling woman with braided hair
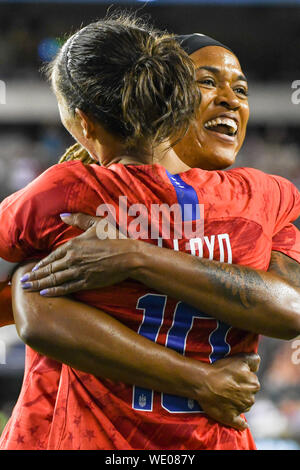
x: 39, y: 336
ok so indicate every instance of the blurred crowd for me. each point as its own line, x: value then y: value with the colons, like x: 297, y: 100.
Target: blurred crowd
x: 26, y: 151
x: 23, y: 30
x: 275, y: 418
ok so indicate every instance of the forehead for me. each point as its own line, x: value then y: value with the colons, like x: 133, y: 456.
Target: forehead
x: 219, y: 57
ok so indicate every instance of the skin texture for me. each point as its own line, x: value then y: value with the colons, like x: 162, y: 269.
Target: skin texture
x: 257, y: 301
x: 244, y: 385
x: 285, y: 268
x: 224, y: 92
x: 212, y: 152
x: 109, y: 349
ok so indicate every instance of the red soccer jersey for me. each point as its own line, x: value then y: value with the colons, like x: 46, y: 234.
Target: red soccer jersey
x: 287, y: 241
x: 243, y: 210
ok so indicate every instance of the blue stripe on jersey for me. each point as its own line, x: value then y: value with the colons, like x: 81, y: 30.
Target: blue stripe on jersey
x: 187, y: 198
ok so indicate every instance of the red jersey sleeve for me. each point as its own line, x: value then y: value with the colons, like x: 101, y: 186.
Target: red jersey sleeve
x: 287, y: 241
x: 277, y: 199
x: 30, y: 224
x: 287, y: 198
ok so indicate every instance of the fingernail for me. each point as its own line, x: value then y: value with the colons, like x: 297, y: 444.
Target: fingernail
x: 65, y: 214
x: 44, y: 292
x: 35, y: 268
x: 27, y: 285
x: 24, y: 278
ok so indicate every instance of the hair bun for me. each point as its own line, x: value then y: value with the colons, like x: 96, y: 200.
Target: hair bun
x: 144, y: 61
x: 136, y: 82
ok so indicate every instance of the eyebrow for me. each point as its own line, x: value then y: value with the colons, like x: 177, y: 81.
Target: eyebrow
x: 216, y: 71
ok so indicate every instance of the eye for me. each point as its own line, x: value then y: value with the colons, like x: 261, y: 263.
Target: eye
x: 206, y: 81
x: 241, y: 91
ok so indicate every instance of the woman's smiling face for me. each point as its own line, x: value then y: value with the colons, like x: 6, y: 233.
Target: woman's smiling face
x: 213, y: 142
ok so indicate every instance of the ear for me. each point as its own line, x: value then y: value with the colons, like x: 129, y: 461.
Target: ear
x: 87, y: 125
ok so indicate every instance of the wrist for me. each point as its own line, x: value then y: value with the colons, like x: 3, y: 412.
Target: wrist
x: 193, y: 376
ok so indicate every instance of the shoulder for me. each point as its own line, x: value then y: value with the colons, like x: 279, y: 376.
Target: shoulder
x: 62, y: 173
x: 68, y: 172
x: 57, y: 182
x: 251, y: 175
x: 274, y: 196
x: 31, y: 215
x: 262, y: 181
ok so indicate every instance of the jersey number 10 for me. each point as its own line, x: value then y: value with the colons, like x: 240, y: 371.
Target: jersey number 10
x: 153, y: 306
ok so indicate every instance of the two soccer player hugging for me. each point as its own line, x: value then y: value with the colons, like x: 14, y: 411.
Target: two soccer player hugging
x: 156, y: 349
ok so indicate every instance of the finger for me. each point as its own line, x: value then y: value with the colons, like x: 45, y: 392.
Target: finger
x: 255, y: 384
x: 253, y: 361
x: 248, y: 384
x: 239, y: 423
x: 246, y: 406
x: 54, y: 256
x: 79, y: 220
x: 52, y: 280
x: 57, y: 266
x: 64, y: 289
x: 105, y: 230
x: 234, y: 421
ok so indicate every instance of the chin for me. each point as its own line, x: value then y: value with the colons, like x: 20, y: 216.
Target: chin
x: 222, y: 163
x: 219, y: 161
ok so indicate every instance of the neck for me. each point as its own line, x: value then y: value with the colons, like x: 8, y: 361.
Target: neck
x: 109, y: 149
x: 162, y: 155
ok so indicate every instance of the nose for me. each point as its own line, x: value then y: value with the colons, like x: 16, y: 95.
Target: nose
x: 227, y: 98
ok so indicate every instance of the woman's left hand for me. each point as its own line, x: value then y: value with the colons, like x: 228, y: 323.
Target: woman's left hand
x: 85, y: 262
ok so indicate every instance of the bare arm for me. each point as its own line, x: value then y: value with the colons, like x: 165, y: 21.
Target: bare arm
x: 267, y: 303
x: 262, y: 302
x: 90, y: 340
x: 286, y: 268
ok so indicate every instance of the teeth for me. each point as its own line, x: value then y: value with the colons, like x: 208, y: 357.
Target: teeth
x: 222, y: 121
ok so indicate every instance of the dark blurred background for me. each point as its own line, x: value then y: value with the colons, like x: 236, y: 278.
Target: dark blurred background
x: 265, y: 35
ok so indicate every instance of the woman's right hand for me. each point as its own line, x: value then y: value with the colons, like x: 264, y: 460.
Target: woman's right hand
x: 229, y: 389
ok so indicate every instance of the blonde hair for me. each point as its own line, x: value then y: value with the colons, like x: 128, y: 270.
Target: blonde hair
x: 76, y: 152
